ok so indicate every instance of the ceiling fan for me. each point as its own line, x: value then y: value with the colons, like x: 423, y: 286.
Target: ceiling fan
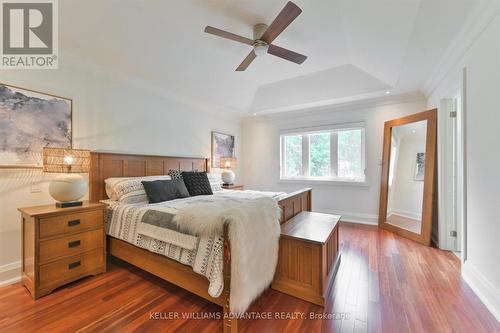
x: 263, y: 37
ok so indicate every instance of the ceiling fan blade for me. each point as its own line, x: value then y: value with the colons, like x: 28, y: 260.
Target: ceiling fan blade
x: 284, y: 18
x: 286, y: 54
x: 228, y: 35
x: 247, y: 61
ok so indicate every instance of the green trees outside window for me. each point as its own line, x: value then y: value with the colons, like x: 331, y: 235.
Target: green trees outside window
x: 330, y: 155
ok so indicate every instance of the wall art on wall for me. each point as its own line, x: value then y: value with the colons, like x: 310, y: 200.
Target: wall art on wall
x: 222, y: 146
x: 29, y: 121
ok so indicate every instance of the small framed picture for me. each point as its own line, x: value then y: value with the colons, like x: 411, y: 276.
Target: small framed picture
x: 222, y: 146
x: 420, y: 167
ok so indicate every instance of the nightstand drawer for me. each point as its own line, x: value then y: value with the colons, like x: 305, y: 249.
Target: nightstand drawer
x: 71, y: 223
x: 71, y: 245
x: 70, y: 268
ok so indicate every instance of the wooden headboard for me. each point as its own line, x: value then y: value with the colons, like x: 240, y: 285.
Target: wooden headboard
x: 106, y: 165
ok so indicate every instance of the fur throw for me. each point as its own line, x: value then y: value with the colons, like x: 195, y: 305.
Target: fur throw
x: 254, y: 232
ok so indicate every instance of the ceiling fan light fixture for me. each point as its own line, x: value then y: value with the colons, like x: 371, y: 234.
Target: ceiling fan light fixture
x: 263, y: 37
x: 260, y: 49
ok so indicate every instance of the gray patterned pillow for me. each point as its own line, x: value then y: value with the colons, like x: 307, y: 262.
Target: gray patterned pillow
x: 175, y: 174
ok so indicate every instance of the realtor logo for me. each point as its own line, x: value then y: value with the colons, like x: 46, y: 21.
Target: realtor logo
x: 29, y: 34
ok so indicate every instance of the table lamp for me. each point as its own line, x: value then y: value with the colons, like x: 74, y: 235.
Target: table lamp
x: 70, y: 186
x: 229, y: 164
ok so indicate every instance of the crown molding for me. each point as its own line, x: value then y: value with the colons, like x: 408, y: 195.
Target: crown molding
x: 477, y: 21
x: 409, y: 97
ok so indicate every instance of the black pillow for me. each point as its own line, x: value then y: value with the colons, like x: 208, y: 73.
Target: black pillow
x: 175, y: 174
x: 165, y: 190
x: 197, y: 183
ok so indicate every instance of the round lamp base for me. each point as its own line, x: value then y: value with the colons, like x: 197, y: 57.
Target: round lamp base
x: 68, y: 187
x: 227, y: 177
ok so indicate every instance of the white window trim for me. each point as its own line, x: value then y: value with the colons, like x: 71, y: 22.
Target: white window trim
x: 333, y: 160
x: 312, y: 181
x: 323, y: 128
x: 305, y: 153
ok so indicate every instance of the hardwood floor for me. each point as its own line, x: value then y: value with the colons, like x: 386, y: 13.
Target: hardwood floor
x: 385, y: 284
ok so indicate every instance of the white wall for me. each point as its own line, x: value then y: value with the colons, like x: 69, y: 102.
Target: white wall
x: 111, y: 113
x: 261, y: 147
x: 482, y: 62
x: 407, y: 196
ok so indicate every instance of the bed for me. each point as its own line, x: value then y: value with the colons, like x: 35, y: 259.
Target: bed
x: 107, y: 165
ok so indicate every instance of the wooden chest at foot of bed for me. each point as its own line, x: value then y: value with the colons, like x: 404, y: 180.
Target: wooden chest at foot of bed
x: 308, y: 256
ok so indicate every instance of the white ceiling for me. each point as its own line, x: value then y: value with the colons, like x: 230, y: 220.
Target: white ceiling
x: 356, y: 48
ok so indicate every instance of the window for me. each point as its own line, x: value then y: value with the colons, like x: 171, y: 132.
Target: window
x: 293, y: 155
x: 324, y: 154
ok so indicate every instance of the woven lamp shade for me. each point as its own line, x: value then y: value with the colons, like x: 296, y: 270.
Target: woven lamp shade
x: 64, y: 160
x: 228, y: 162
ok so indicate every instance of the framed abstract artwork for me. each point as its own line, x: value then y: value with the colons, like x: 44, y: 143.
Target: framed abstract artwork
x: 222, y: 146
x: 29, y: 121
x: 420, y: 167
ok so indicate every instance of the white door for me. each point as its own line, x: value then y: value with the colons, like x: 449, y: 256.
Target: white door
x: 449, y: 226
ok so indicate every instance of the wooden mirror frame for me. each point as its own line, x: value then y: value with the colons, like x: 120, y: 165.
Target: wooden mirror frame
x: 429, y: 184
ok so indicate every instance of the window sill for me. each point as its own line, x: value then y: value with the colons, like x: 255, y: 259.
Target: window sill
x: 332, y: 182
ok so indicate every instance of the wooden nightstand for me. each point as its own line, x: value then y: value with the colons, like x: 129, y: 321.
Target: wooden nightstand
x: 237, y: 187
x: 61, y: 245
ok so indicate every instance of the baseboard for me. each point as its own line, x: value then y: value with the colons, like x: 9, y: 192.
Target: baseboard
x: 405, y: 213
x: 10, y: 273
x: 7, y: 282
x: 361, y: 218
x: 482, y: 287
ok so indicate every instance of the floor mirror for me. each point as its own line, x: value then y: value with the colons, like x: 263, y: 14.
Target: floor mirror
x: 408, y: 171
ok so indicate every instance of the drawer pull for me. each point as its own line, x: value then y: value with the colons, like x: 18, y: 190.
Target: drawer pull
x: 74, y: 264
x: 74, y: 244
x: 72, y: 223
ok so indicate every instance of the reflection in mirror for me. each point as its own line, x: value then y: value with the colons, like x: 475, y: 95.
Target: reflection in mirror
x: 406, y: 176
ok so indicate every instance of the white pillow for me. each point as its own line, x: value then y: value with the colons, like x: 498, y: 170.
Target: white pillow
x: 129, y: 190
x: 215, y: 181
